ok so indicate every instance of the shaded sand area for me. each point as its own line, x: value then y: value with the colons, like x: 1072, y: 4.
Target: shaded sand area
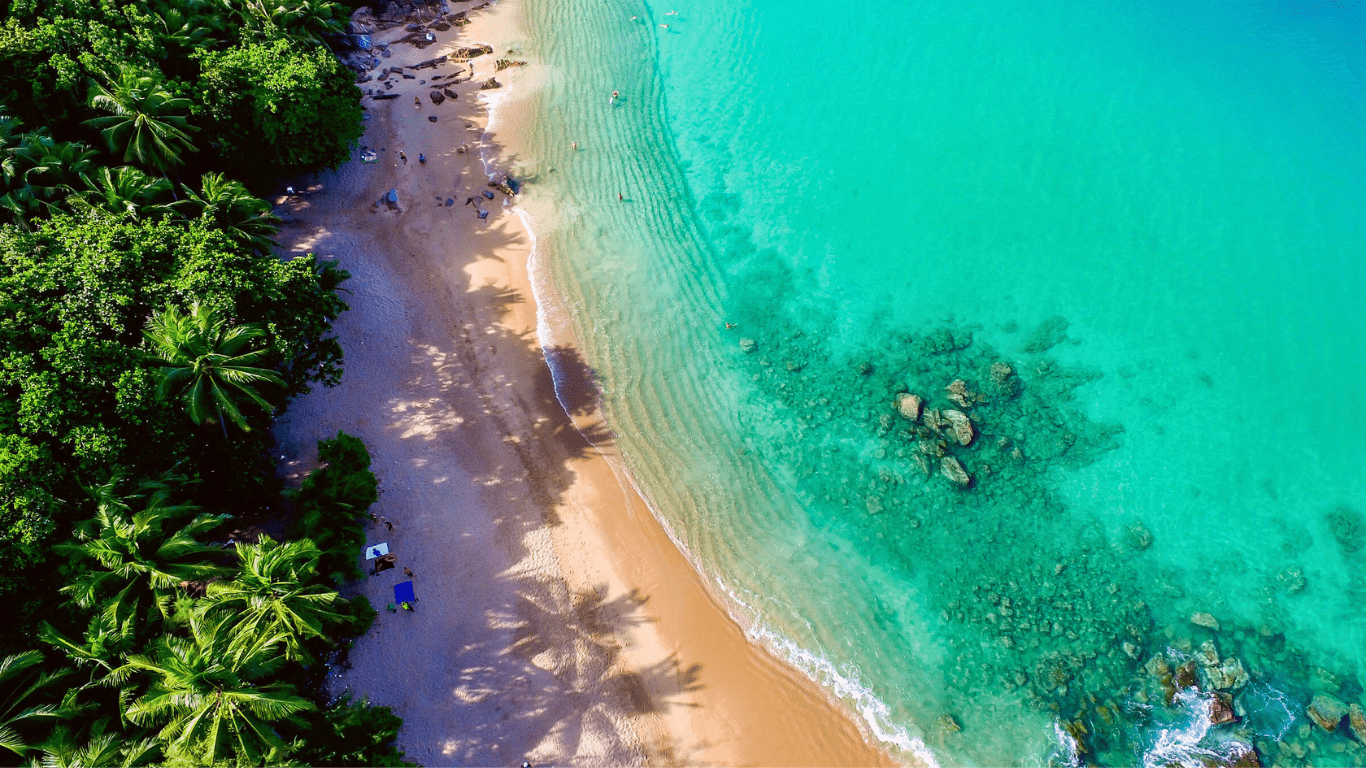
x: 556, y: 621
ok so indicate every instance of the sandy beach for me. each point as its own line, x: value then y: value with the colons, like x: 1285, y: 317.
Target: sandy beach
x: 556, y: 622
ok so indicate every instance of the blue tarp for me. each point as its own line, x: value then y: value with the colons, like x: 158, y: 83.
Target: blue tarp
x: 403, y: 592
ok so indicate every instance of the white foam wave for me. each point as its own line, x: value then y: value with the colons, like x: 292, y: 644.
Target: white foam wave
x: 846, y: 684
x: 1180, y: 744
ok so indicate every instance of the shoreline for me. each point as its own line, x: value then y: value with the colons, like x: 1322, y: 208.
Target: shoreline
x: 558, y: 621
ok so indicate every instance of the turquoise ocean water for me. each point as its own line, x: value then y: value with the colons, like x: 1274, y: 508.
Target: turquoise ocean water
x: 1150, y: 216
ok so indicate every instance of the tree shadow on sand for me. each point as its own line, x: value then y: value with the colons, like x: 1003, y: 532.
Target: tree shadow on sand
x: 516, y: 663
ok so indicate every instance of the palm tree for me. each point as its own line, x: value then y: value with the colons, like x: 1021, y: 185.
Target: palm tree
x: 206, y: 362
x: 330, y: 275
x: 10, y: 137
x: 41, y: 173
x: 124, y: 191
x: 145, y: 121
x: 312, y: 19
x: 189, y: 24
x: 22, y: 685
x: 229, y: 205
x: 63, y: 749
x: 205, y: 694
x: 108, y: 638
x: 271, y: 593
x: 148, y: 553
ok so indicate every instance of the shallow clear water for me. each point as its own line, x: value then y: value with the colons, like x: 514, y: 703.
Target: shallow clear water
x: 1154, y: 214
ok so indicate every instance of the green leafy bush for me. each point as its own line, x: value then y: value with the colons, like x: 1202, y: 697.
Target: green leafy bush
x: 332, y: 504
x: 352, y: 733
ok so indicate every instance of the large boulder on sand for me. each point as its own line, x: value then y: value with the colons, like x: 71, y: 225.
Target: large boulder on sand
x: 1326, y: 710
x: 959, y: 424
x: 908, y: 405
x: 953, y: 470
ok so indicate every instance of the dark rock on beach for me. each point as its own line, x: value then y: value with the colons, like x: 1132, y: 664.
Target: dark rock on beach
x: 472, y: 52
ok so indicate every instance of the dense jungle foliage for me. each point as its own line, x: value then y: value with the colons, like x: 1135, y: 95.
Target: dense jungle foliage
x: 148, y: 336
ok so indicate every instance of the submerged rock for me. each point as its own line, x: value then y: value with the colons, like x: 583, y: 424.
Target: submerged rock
x: 960, y: 424
x: 1140, y: 537
x: 909, y: 405
x: 1208, y: 654
x: 933, y: 421
x: 953, y: 470
x: 1158, y: 668
x: 1292, y: 578
x: 1205, y: 620
x: 1356, y: 718
x: 1049, y: 333
x: 1227, y: 675
x: 748, y: 345
x: 958, y: 392
x: 949, y: 724
x: 1326, y: 710
x: 1001, y: 372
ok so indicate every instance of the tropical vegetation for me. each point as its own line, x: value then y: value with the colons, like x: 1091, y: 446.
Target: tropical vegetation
x: 168, y: 601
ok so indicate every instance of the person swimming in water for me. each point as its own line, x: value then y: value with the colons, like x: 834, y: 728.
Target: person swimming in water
x: 615, y: 95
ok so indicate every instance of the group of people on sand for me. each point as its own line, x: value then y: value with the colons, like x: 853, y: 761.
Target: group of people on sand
x: 388, y: 561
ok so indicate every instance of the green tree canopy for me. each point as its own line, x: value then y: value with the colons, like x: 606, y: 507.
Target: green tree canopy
x: 77, y: 388
x: 278, y: 106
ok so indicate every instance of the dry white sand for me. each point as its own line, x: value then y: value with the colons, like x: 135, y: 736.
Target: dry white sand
x: 556, y: 621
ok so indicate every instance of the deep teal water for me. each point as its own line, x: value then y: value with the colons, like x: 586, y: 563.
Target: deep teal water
x: 1153, y: 213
